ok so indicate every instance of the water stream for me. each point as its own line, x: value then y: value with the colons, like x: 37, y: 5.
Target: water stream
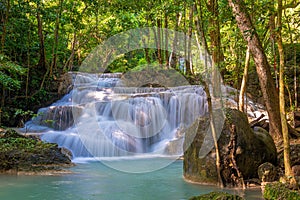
x: 103, y: 118
x: 95, y: 181
x: 131, y: 129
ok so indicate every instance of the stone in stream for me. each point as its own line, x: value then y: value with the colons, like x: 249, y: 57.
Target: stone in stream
x: 267, y: 172
x: 217, y: 196
x: 242, y: 151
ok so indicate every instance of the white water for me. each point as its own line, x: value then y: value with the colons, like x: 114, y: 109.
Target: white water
x: 100, y: 117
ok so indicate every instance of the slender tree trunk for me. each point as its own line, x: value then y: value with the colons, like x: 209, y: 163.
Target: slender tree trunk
x: 55, y: 44
x: 166, y: 40
x: 214, y: 134
x: 189, y: 64
x: 295, y: 66
x: 185, y: 38
x: 200, y: 31
x: 42, y: 61
x: 215, y: 38
x: 262, y: 66
x: 295, y: 77
x: 199, y: 21
x: 285, y: 131
x: 4, y: 24
x: 173, y: 57
x: 273, y: 38
x: 244, y: 82
x: 28, y: 63
x: 158, y: 42
x: 69, y: 64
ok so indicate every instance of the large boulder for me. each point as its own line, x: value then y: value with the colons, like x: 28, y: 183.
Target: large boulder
x: 242, y: 151
x: 20, y: 154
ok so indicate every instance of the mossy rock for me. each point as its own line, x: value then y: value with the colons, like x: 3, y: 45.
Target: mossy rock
x: 217, y: 196
x: 21, y: 153
x: 279, y: 191
x: 10, y: 133
x: 250, y: 150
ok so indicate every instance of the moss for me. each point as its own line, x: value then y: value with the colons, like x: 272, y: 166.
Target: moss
x: 20, y: 153
x: 13, y: 141
x: 217, y: 196
x: 279, y: 191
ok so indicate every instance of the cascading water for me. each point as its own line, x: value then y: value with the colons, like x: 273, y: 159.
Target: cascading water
x: 115, y: 120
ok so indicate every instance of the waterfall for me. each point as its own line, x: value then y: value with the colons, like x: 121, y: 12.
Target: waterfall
x: 101, y: 117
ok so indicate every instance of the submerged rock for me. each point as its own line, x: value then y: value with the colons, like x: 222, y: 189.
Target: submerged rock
x: 267, y: 172
x: 20, y: 154
x: 217, y: 196
x: 242, y: 151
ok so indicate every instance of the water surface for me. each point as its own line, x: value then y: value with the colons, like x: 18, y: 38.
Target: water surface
x: 96, y: 181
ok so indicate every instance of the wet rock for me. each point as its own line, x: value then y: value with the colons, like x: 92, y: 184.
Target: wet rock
x: 65, y: 83
x: 267, y: 172
x: 23, y: 154
x: 59, y: 117
x: 174, y: 147
x: 217, y: 196
x: 242, y: 151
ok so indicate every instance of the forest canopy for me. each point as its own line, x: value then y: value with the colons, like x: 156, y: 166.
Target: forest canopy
x: 41, y: 40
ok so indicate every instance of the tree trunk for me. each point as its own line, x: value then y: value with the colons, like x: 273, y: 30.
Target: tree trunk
x: 69, y: 64
x: 244, y: 82
x: 42, y: 61
x: 4, y: 24
x: 55, y: 44
x: 173, y: 56
x: 200, y: 25
x: 262, y: 66
x: 166, y: 40
x: 215, y: 38
x: 272, y: 38
x: 295, y: 66
x: 285, y: 131
x: 28, y: 63
x: 189, y: 64
x: 214, y: 134
x: 158, y: 42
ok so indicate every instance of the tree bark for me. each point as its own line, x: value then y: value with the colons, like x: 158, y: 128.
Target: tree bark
x: 295, y: 67
x: 285, y: 131
x: 262, y: 66
x: 42, y: 61
x: 189, y: 64
x: 200, y: 25
x: 166, y: 40
x: 4, y: 21
x: 214, y: 134
x: 158, y: 42
x: 244, y: 82
x: 215, y: 38
x: 55, y: 44
x: 173, y: 56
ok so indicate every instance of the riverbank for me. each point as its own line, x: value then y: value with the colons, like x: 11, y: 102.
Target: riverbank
x: 28, y: 155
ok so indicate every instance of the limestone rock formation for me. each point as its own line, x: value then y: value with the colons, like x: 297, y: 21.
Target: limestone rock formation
x: 22, y: 154
x: 242, y: 151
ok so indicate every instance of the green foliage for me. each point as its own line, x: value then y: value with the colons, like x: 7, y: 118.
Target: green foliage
x: 279, y: 191
x: 12, y: 141
x: 9, y: 73
x: 85, y: 24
